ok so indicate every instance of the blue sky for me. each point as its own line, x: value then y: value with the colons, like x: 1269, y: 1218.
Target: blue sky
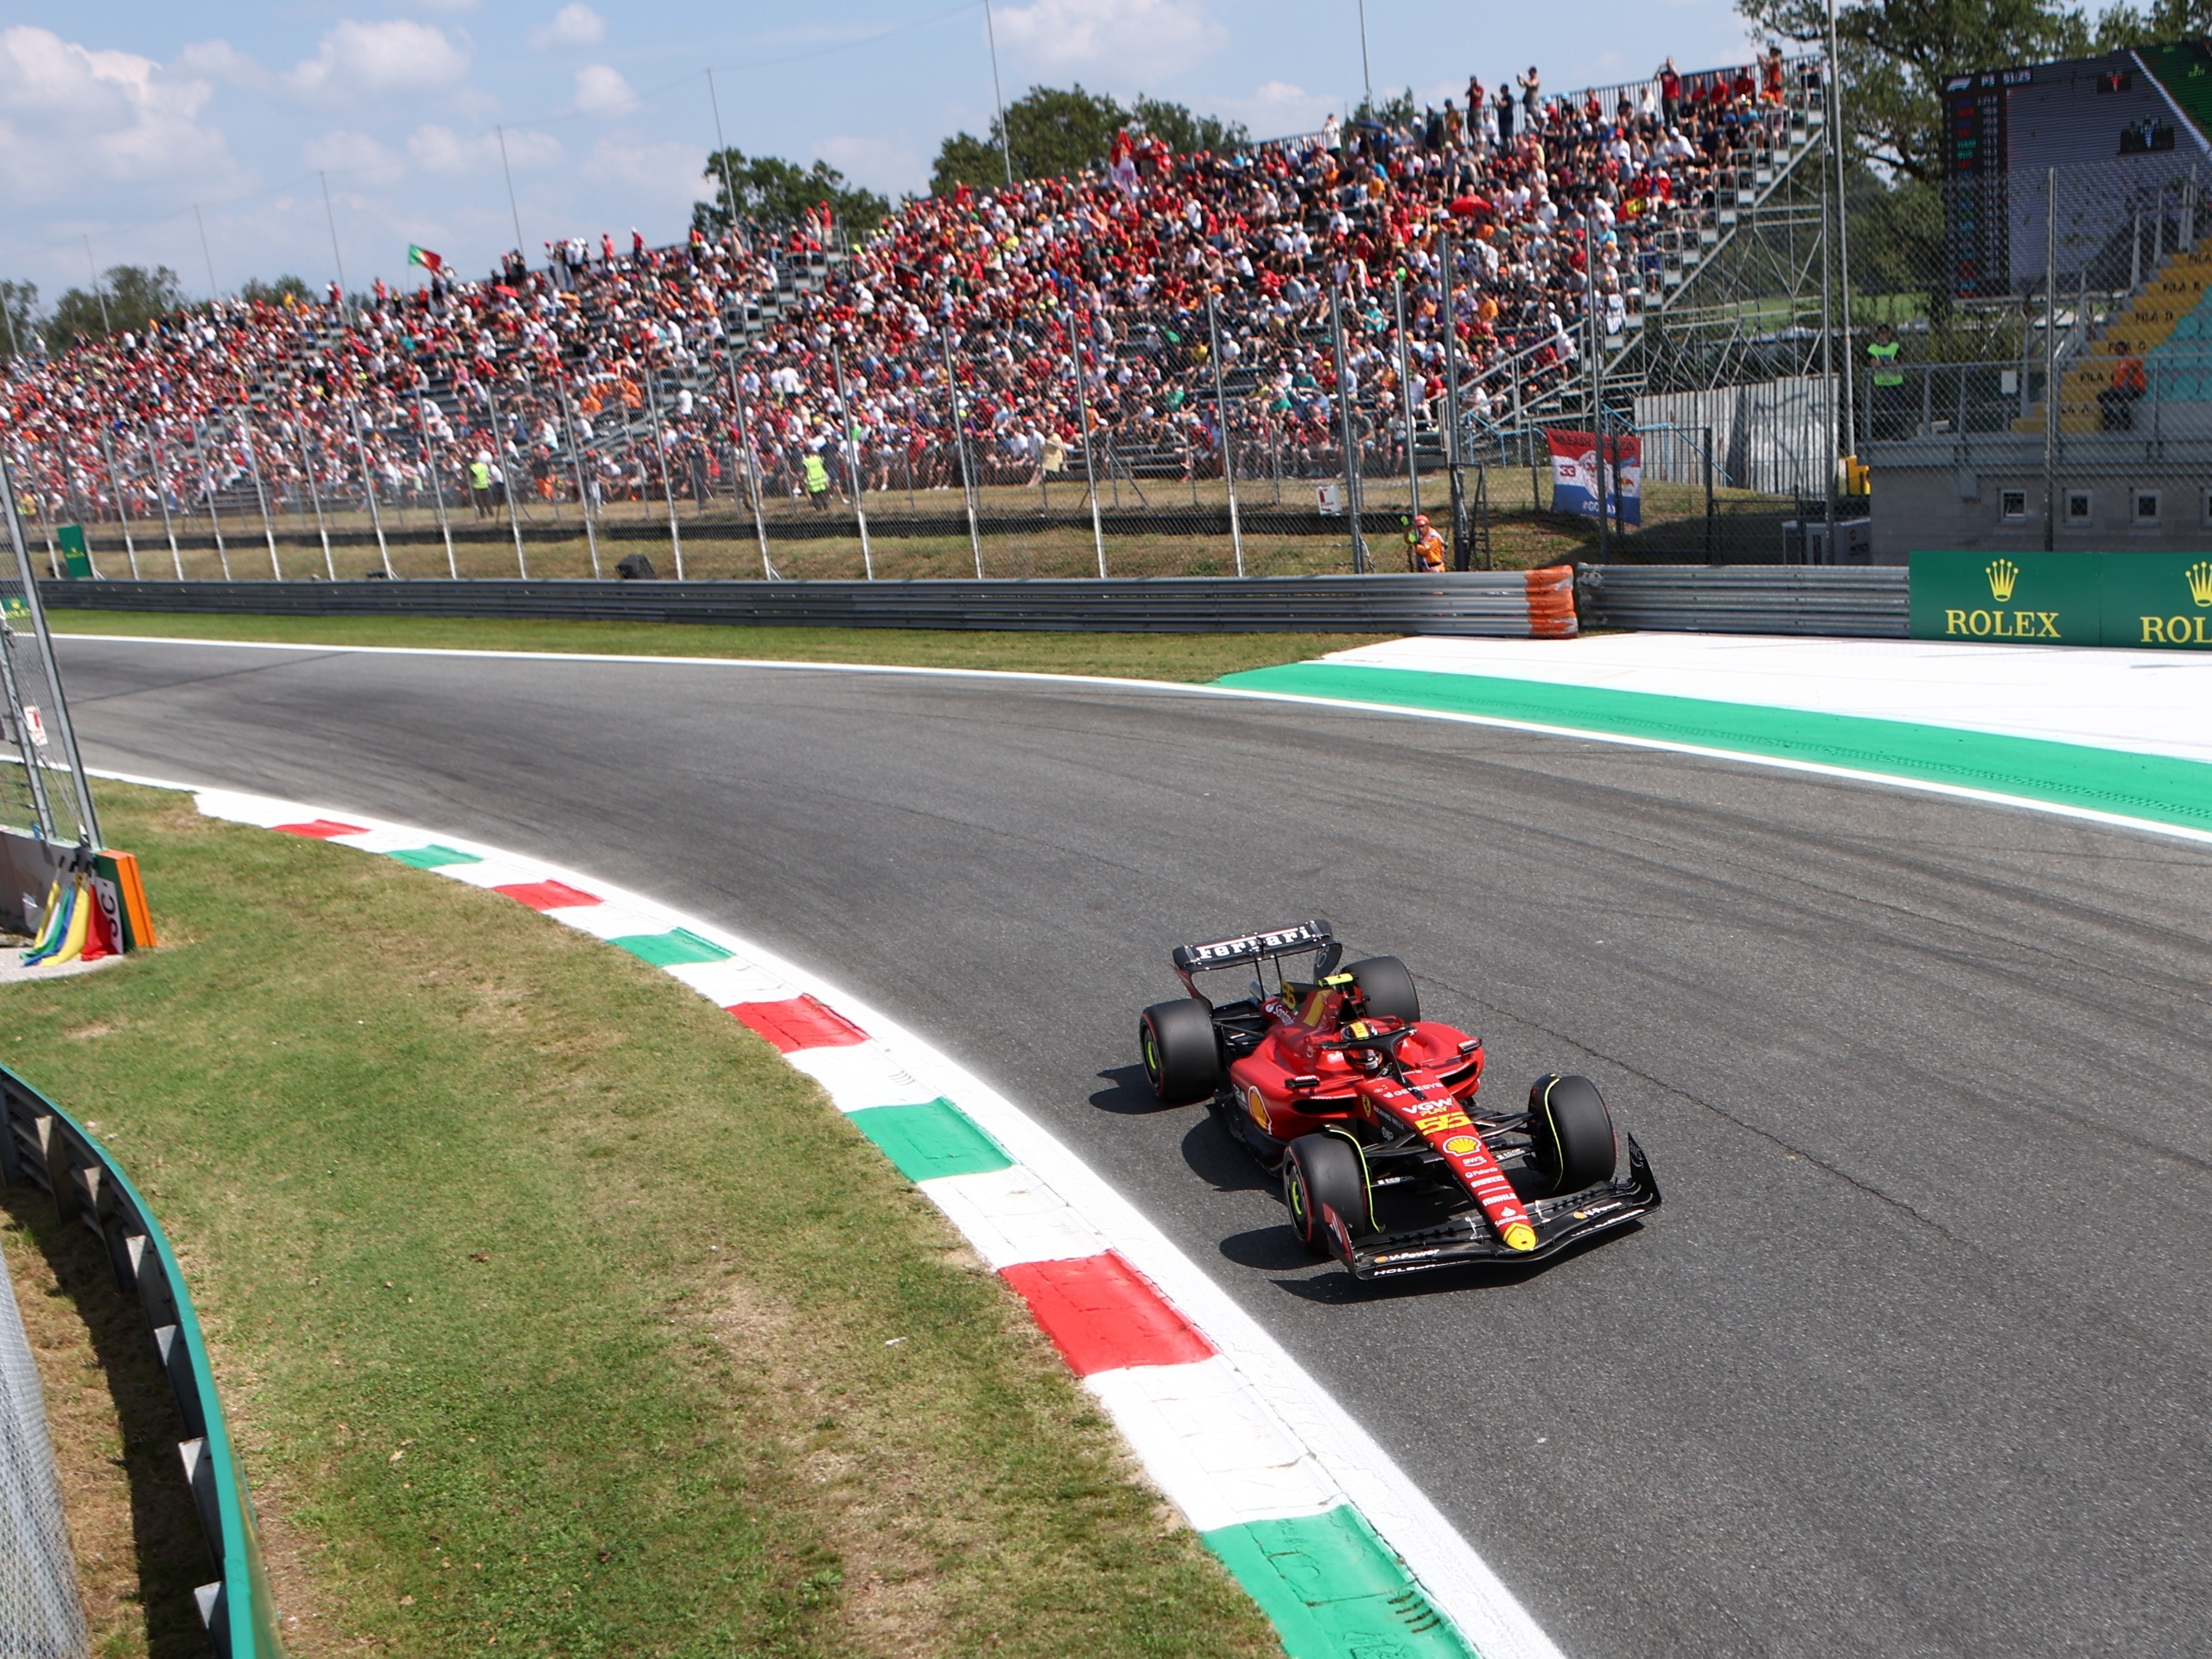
x: 115, y: 121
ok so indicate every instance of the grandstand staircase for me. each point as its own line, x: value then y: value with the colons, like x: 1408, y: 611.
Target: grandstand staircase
x: 2165, y: 310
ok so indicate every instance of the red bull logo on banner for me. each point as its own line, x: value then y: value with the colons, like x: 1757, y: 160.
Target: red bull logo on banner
x: 1574, y: 475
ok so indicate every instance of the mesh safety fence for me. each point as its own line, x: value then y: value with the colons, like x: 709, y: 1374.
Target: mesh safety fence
x: 41, y: 1616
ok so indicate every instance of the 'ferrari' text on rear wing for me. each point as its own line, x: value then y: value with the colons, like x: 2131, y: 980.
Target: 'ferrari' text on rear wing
x: 1254, y: 947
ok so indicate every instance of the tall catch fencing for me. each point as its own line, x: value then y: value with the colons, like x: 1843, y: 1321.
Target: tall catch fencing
x: 41, y: 1613
x: 50, y: 790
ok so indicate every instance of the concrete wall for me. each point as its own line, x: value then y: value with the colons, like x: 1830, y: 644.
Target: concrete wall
x: 1952, y: 492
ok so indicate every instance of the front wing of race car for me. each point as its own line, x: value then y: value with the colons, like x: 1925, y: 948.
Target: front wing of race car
x: 1468, y: 1238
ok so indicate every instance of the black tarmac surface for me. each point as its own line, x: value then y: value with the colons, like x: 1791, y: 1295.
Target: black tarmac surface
x: 1914, y: 1359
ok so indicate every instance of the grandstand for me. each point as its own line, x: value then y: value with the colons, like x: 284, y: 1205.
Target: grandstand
x: 1063, y: 330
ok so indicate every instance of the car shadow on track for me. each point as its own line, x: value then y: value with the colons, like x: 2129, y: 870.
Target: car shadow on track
x: 1127, y: 1093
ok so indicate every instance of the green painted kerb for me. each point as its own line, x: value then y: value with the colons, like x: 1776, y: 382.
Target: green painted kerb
x: 668, y: 949
x: 434, y: 857
x: 2155, y: 788
x: 930, y: 1140
x: 1334, y: 1590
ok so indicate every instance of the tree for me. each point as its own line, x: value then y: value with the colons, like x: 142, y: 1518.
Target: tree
x: 129, y: 297
x: 19, y: 306
x: 1399, y: 111
x: 1897, y: 54
x: 776, y: 194
x: 255, y: 291
x: 1056, y: 132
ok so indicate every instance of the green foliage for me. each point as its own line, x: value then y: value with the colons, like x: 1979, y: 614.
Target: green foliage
x: 1897, y: 233
x: 129, y: 297
x: 2122, y: 25
x: 775, y: 194
x: 19, y: 305
x: 256, y: 290
x: 1056, y: 132
x: 1399, y: 110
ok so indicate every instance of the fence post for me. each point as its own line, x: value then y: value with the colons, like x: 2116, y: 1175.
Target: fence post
x: 849, y: 447
x: 1405, y: 401
x: 87, y: 814
x: 122, y: 512
x: 1344, y: 428
x: 960, y: 445
x: 2051, y: 387
x: 1090, y: 471
x: 314, y: 494
x: 752, y: 472
x: 33, y: 774
x: 161, y: 495
x: 438, y: 494
x: 215, y: 513
x: 1712, y: 544
x: 1221, y: 419
x: 1461, y: 552
x: 260, y: 494
x: 667, y: 479
x: 368, y: 484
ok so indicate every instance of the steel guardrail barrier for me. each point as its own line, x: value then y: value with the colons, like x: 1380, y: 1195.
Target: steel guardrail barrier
x: 43, y: 1144
x: 1870, y: 602
x: 1480, y: 602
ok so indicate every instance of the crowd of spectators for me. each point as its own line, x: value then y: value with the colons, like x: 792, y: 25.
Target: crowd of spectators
x: 1073, y: 315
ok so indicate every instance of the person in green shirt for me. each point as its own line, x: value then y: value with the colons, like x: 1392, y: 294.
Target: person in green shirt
x: 480, y: 485
x: 817, y: 481
x: 1890, y: 414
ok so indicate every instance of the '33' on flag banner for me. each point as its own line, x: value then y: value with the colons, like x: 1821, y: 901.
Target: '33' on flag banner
x: 1574, y: 475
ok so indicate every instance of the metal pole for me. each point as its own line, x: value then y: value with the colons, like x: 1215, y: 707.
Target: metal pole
x: 1461, y: 553
x: 1593, y: 334
x: 2049, y: 359
x: 162, y: 494
x: 33, y: 774
x: 960, y: 442
x: 1344, y: 421
x: 1005, y: 137
x: 1090, y: 474
x: 215, y: 513
x: 87, y: 814
x: 115, y: 482
x: 848, y: 446
x: 1221, y: 419
x: 315, y: 495
x: 1827, y: 362
x: 1366, y: 75
x: 507, y: 483
x: 1711, y: 544
x: 513, y: 212
x: 99, y: 293
x: 437, y: 487
x: 583, y: 488
x: 260, y: 494
x: 368, y: 487
x: 1406, y: 395
x: 752, y: 472
x: 213, y: 292
x: 331, y: 214
x: 1835, y: 90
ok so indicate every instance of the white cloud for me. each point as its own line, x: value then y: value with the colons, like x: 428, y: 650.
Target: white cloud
x: 70, y: 115
x: 218, y: 60
x: 886, y: 165
x: 575, y: 25
x: 395, y: 56
x: 362, y: 159
x: 440, y: 149
x: 1133, y: 36
x: 653, y: 177
x: 601, y: 90
x: 1278, y: 109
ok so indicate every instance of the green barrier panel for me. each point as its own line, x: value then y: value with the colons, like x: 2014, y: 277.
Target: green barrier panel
x: 2023, y: 598
x: 2158, y: 599
x: 243, y: 1619
x: 2161, y: 601
x: 76, y: 562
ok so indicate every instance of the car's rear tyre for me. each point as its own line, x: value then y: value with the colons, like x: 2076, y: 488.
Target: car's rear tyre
x: 1326, y: 1170
x: 1387, y: 988
x: 1571, y: 1140
x: 1182, y: 1055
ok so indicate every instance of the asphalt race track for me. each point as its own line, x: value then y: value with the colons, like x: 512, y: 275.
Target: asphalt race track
x: 1913, y: 1361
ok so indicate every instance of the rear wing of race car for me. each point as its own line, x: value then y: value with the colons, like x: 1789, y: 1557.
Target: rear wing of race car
x: 1315, y: 936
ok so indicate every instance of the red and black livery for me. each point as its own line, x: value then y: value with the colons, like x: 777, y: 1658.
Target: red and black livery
x: 1368, y: 1113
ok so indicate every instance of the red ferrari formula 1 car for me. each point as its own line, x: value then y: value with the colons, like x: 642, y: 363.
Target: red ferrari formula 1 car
x: 1367, y: 1111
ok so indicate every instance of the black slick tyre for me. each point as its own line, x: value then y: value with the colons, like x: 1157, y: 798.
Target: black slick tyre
x: 1182, y: 1056
x: 1570, y: 1134
x: 1387, y: 988
x: 1326, y: 1170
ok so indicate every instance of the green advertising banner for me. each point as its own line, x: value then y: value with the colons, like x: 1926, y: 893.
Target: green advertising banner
x: 2023, y: 598
x: 77, y: 563
x: 2159, y: 600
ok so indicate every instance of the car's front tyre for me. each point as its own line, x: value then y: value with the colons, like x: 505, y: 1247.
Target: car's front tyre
x: 1326, y: 1170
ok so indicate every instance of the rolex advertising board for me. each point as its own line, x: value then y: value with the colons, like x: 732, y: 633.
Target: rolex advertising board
x: 2021, y: 598
x: 2158, y: 600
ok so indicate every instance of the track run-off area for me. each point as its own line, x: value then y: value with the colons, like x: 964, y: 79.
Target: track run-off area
x: 1912, y: 1359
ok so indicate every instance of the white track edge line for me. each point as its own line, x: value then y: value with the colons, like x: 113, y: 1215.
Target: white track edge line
x: 1847, y: 774
x: 1454, y: 1575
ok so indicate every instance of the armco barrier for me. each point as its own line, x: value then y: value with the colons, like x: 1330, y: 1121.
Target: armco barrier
x: 39, y: 1143
x: 1503, y: 603
x: 1868, y: 602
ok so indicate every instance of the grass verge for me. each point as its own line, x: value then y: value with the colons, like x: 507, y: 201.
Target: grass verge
x: 1197, y: 657
x: 555, y: 1312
